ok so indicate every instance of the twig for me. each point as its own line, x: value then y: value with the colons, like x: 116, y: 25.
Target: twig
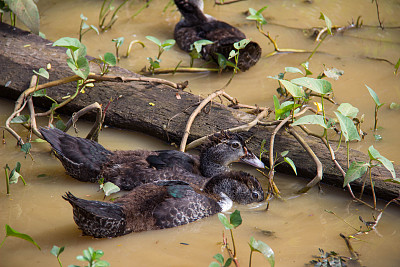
x: 180, y: 70
x: 222, y: 2
x: 318, y: 176
x: 377, y: 12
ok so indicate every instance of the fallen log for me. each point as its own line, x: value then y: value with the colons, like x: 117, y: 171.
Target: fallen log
x: 155, y: 110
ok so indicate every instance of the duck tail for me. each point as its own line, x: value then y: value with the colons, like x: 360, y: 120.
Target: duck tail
x: 82, y: 158
x: 96, y: 218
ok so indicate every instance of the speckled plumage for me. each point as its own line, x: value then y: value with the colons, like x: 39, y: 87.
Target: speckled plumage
x: 195, y: 26
x: 162, y: 204
x: 88, y: 161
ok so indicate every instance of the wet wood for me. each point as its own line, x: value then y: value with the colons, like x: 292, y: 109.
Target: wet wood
x: 22, y: 52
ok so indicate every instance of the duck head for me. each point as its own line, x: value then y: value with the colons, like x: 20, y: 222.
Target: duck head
x: 223, y: 149
x: 240, y: 187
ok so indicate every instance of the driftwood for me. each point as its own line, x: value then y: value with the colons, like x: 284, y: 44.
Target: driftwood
x: 155, y: 110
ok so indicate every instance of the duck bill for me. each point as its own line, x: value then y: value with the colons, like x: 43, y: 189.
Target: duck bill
x: 251, y: 159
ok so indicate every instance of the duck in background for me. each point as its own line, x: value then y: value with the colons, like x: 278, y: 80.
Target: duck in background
x: 195, y: 26
x: 88, y: 161
x: 163, y: 204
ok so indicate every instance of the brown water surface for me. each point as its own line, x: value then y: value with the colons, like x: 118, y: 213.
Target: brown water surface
x: 299, y: 225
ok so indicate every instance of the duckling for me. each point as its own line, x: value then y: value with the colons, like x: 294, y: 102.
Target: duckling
x: 88, y: 161
x: 162, y: 204
x: 195, y: 26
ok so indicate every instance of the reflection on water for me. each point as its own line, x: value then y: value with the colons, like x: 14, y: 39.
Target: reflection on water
x: 296, y: 227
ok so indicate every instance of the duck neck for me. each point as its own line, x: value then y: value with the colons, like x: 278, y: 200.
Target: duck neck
x: 210, y: 167
x: 192, y: 11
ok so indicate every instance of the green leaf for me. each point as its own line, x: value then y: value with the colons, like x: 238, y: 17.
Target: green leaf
x: 14, y: 233
x: 327, y: 22
x: 85, y: 26
x: 27, y: 12
x: 26, y: 148
x: 110, y: 59
x: 293, y: 89
x: 311, y: 119
x: 235, y: 218
x: 291, y: 163
x: 110, y: 188
x: 225, y: 221
x: 68, y: 42
x: 82, y: 68
x: 154, y: 40
x: 168, y: 44
x: 40, y: 93
x: 241, y: 44
x: 83, y: 17
x: 293, y: 70
x: 356, y: 170
x: 228, y: 262
x: 101, y: 263
x: 118, y: 41
x: 219, y: 258
x: 317, y: 85
x: 394, y: 106
x: 264, y: 249
x: 199, y: 44
x: 374, y: 97
x: 60, y: 125
x: 42, y: 72
x: 375, y: 155
x: 377, y: 137
x: 284, y: 153
x: 396, y: 68
x: 95, y: 29
x: 21, y: 119
x: 15, y: 174
x: 305, y: 66
x: 232, y: 54
x: 348, y: 110
x: 56, y: 251
x: 256, y: 15
x: 348, y: 128
x: 214, y: 264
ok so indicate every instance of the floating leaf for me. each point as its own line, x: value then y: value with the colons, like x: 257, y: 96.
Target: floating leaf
x: 374, y: 97
x: 264, y: 249
x: 375, y: 155
x: 311, y: 119
x: 348, y: 128
x: 348, y: 110
x: 110, y: 188
x: 291, y: 163
x: 356, y: 170
x: 293, y: 89
x: 293, y: 70
x: 27, y: 12
x: 333, y: 73
x: 394, y: 106
x: 317, y: 85
x: 14, y: 233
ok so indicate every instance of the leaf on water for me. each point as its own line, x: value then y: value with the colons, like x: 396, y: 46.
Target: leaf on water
x: 291, y: 163
x: 311, y: 119
x: 14, y: 233
x: 317, y: 85
x: 333, y: 73
x: 394, y: 106
x: 375, y: 155
x: 378, y: 137
x: 110, y: 188
x: 27, y: 12
x: 21, y: 119
x: 293, y: 70
x: 293, y: 89
x: 348, y: 110
x: 154, y: 40
x: 356, y: 170
x: 348, y: 128
x: 327, y: 22
x: 236, y: 219
x: 264, y: 249
x: 374, y: 97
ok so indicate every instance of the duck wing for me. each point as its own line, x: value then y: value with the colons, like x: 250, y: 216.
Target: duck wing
x: 173, y: 158
x: 81, y: 158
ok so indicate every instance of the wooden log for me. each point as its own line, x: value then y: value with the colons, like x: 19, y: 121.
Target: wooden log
x: 22, y: 52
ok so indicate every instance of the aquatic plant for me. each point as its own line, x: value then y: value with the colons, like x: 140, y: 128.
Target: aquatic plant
x: 164, y: 46
x: 84, y: 28
x: 25, y: 10
x: 14, y: 175
x: 91, y: 256
x: 11, y: 232
x: 378, y: 105
x: 105, y: 11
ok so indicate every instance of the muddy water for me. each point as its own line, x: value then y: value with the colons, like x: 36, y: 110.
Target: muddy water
x: 299, y: 225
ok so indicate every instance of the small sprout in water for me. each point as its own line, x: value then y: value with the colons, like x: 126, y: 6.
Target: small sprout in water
x: 378, y: 104
x: 11, y: 232
x: 56, y: 251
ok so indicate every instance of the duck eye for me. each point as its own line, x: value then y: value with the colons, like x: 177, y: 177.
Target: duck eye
x: 254, y: 195
x: 235, y: 145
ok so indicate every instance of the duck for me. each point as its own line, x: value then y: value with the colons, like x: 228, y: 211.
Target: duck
x: 195, y: 26
x: 163, y: 204
x: 88, y: 161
